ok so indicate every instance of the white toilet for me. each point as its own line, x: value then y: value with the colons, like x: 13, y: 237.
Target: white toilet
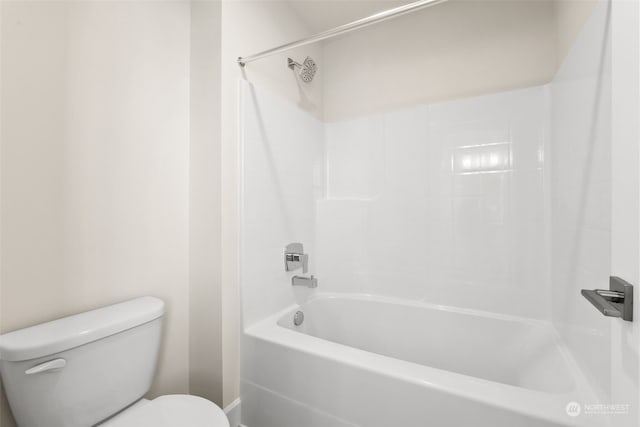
x: 93, y: 369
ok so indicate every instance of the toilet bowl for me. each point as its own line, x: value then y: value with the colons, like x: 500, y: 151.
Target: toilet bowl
x: 93, y: 369
x: 170, y: 411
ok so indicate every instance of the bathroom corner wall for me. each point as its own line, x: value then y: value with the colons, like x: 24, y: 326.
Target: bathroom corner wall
x: 581, y: 196
x: 595, y: 100
x: 625, y: 197
x: 205, y: 289
x: 282, y: 166
x: 570, y: 16
x: 249, y: 27
x: 95, y: 164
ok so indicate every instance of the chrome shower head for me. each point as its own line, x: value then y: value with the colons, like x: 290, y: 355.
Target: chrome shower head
x: 307, y: 69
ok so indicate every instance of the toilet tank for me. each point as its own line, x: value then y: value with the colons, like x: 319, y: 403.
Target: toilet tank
x: 79, y: 370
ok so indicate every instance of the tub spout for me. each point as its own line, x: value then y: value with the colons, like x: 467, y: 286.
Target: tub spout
x: 309, y: 282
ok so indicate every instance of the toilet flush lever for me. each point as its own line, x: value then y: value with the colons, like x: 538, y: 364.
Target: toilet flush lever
x: 51, y: 365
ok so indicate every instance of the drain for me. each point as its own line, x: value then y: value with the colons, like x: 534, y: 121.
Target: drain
x: 298, y: 318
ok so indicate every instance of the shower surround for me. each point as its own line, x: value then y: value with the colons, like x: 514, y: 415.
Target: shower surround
x: 423, y: 225
x: 442, y: 203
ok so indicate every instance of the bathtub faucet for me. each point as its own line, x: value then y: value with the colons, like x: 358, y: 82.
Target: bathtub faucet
x: 309, y: 282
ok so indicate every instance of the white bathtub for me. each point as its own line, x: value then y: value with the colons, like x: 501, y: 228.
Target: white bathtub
x: 374, y: 361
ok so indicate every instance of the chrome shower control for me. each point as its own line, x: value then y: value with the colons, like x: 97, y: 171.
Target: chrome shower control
x: 295, y: 258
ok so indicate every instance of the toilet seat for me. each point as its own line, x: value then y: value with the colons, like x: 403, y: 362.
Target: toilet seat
x: 172, y: 411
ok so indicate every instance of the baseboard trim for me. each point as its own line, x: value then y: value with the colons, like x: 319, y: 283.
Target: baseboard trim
x: 233, y: 412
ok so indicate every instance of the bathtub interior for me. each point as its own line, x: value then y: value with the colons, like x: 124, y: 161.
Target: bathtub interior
x: 318, y: 383
x: 504, y: 349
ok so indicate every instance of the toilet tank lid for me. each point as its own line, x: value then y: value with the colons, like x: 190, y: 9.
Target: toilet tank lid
x: 72, y: 331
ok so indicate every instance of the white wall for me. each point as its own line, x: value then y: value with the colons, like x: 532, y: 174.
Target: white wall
x: 129, y: 96
x: 281, y: 180
x: 581, y: 196
x: 452, y: 50
x: 595, y: 199
x: 249, y: 27
x: 570, y: 16
x: 625, y: 198
x: 205, y: 314
x: 95, y: 164
x: 442, y: 203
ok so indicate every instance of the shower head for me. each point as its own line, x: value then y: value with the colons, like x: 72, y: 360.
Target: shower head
x: 307, y: 69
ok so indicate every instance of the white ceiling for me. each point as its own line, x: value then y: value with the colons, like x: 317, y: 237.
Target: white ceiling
x: 320, y: 15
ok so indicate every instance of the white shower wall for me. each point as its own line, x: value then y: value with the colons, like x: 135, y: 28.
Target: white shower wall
x: 581, y: 196
x: 443, y: 203
x: 281, y: 179
x: 499, y: 203
x: 462, y: 203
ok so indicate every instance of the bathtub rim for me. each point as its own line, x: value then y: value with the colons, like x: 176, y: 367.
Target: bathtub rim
x: 544, y: 406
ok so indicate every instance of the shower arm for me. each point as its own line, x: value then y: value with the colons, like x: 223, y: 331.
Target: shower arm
x: 342, y: 29
x: 292, y: 64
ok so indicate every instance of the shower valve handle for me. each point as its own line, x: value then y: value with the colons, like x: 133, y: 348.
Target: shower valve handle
x: 295, y: 258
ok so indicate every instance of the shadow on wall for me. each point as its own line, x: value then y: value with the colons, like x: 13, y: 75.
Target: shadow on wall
x: 581, y: 196
x: 592, y: 160
x: 6, y: 419
x: 269, y: 159
x: 306, y: 101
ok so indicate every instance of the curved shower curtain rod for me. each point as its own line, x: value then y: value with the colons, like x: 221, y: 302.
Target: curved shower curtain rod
x: 342, y: 29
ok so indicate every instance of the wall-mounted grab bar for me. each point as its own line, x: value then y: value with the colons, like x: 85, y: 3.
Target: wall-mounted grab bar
x: 617, y: 301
